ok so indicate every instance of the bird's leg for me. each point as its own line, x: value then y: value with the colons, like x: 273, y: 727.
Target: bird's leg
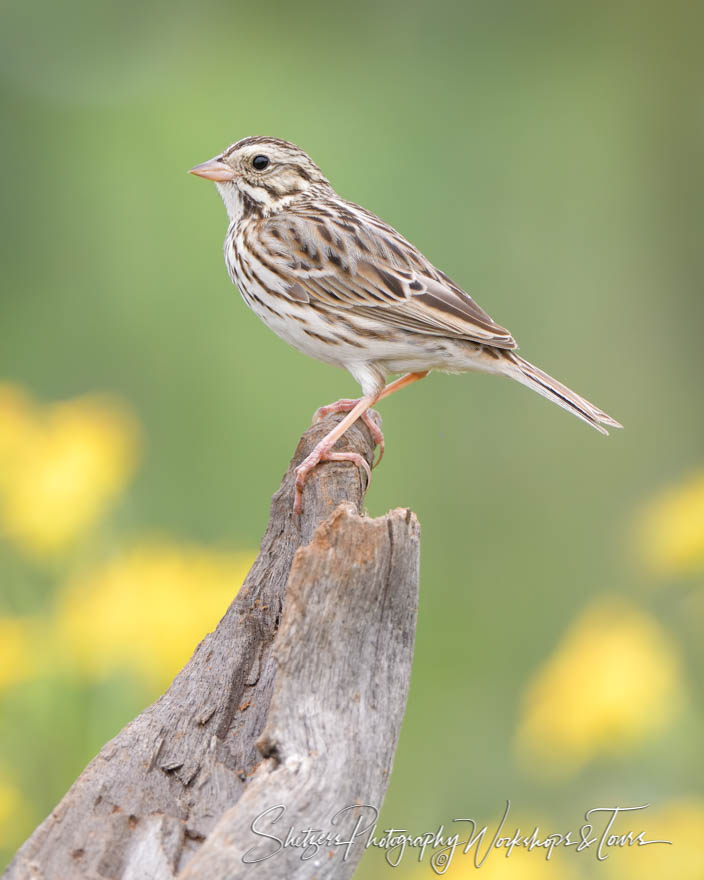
x: 323, y: 450
x: 347, y: 404
x: 398, y: 384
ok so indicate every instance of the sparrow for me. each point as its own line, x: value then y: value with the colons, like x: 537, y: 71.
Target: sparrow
x: 339, y: 284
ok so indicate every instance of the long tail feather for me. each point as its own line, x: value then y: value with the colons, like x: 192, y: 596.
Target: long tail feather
x: 527, y: 374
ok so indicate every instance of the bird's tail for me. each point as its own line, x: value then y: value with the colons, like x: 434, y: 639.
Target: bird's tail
x: 527, y: 374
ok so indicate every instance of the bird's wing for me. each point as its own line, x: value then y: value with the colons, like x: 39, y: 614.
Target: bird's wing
x: 347, y: 258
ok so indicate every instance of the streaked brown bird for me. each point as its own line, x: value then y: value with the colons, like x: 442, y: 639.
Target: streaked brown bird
x: 340, y: 285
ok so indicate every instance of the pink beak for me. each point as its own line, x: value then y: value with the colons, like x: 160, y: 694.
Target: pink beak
x: 214, y: 169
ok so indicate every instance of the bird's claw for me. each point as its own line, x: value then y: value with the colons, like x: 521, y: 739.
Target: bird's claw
x: 317, y: 457
x: 345, y: 405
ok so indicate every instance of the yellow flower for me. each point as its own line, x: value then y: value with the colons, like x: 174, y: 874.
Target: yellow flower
x: 17, y: 423
x: 614, y: 681
x: 521, y: 863
x: 62, y: 467
x: 15, y: 819
x: 18, y: 656
x: 147, y: 610
x: 680, y: 822
x: 671, y: 529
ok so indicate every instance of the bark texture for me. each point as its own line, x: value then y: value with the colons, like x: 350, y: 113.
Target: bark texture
x: 286, y: 715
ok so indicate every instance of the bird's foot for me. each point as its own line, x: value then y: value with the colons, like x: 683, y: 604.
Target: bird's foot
x: 347, y: 404
x: 323, y: 452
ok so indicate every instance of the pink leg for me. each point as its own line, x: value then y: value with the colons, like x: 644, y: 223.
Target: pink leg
x: 355, y: 409
x: 398, y: 384
x: 346, y: 404
x: 323, y: 451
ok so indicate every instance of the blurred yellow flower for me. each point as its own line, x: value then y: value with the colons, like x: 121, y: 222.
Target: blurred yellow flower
x: 146, y: 610
x: 17, y: 421
x: 14, y: 814
x: 18, y: 658
x: 612, y: 682
x: 520, y: 864
x: 682, y: 822
x: 61, y: 466
x: 671, y: 529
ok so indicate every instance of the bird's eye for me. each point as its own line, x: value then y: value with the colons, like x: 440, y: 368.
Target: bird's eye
x: 260, y: 162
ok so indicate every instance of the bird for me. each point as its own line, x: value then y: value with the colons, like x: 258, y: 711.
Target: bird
x: 339, y: 284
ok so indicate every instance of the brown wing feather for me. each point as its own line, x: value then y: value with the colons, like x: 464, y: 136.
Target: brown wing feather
x: 350, y: 259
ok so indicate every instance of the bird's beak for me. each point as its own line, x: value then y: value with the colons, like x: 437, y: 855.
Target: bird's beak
x: 214, y: 169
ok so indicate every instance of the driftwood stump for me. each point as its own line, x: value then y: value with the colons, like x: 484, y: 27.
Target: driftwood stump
x: 286, y: 715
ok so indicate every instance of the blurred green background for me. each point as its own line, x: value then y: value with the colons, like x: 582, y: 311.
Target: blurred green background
x: 547, y: 156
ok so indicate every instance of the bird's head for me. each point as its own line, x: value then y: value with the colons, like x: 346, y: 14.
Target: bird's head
x: 262, y: 175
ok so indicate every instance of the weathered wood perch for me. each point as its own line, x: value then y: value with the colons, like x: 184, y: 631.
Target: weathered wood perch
x: 296, y: 699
